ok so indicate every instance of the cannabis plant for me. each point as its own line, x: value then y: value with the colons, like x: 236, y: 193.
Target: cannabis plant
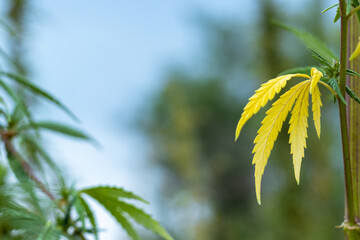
x: 340, y: 76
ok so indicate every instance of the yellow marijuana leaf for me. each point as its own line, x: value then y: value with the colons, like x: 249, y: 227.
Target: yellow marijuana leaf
x: 269, y: 130
x: 315, y: 78
x: 265, y: 93
x: 316, y: 105
x: 356, y: 52
x: 297, y: 130
x: 276, y: 115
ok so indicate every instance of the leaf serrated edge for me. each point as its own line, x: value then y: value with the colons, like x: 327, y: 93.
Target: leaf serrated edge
x: 262, y: 95
x: 316, y: 109
x: 268, y: 132
x: 298, y: 130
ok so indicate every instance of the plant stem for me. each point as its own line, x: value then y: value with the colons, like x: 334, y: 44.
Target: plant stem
x: 353, y: 116
x: 349, y: 200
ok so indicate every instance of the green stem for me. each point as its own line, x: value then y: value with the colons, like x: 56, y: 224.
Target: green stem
x: 349, y: 206
x: 353, y: 116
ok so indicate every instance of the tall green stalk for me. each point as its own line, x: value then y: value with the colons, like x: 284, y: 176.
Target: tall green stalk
x: 349, y: 223
x: 353, y: 116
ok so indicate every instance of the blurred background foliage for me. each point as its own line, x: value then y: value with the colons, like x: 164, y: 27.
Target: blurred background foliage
x: 208, y: 185
x: 208, y: 189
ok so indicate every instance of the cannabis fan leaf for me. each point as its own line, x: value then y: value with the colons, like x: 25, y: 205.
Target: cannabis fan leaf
x: 295, y: 100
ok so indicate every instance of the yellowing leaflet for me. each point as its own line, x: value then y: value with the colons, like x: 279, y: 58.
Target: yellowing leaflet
x: 297, y: 97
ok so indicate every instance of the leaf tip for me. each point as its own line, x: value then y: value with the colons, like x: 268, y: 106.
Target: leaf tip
x: 238, y: 130
x: 258, y: 188
x: 258, y: 198
x: 356, y: 52
x: 297, y: 173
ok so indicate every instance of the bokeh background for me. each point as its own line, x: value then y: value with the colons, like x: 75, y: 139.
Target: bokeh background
x: 161, y: 85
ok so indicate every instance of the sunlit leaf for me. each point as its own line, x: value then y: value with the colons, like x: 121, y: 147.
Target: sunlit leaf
x: 316, y: 108
x: 356, y: 52
x: 298, y: 129
x: 315, y: 78
x: 268, y: 132
x: 262, y: 95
